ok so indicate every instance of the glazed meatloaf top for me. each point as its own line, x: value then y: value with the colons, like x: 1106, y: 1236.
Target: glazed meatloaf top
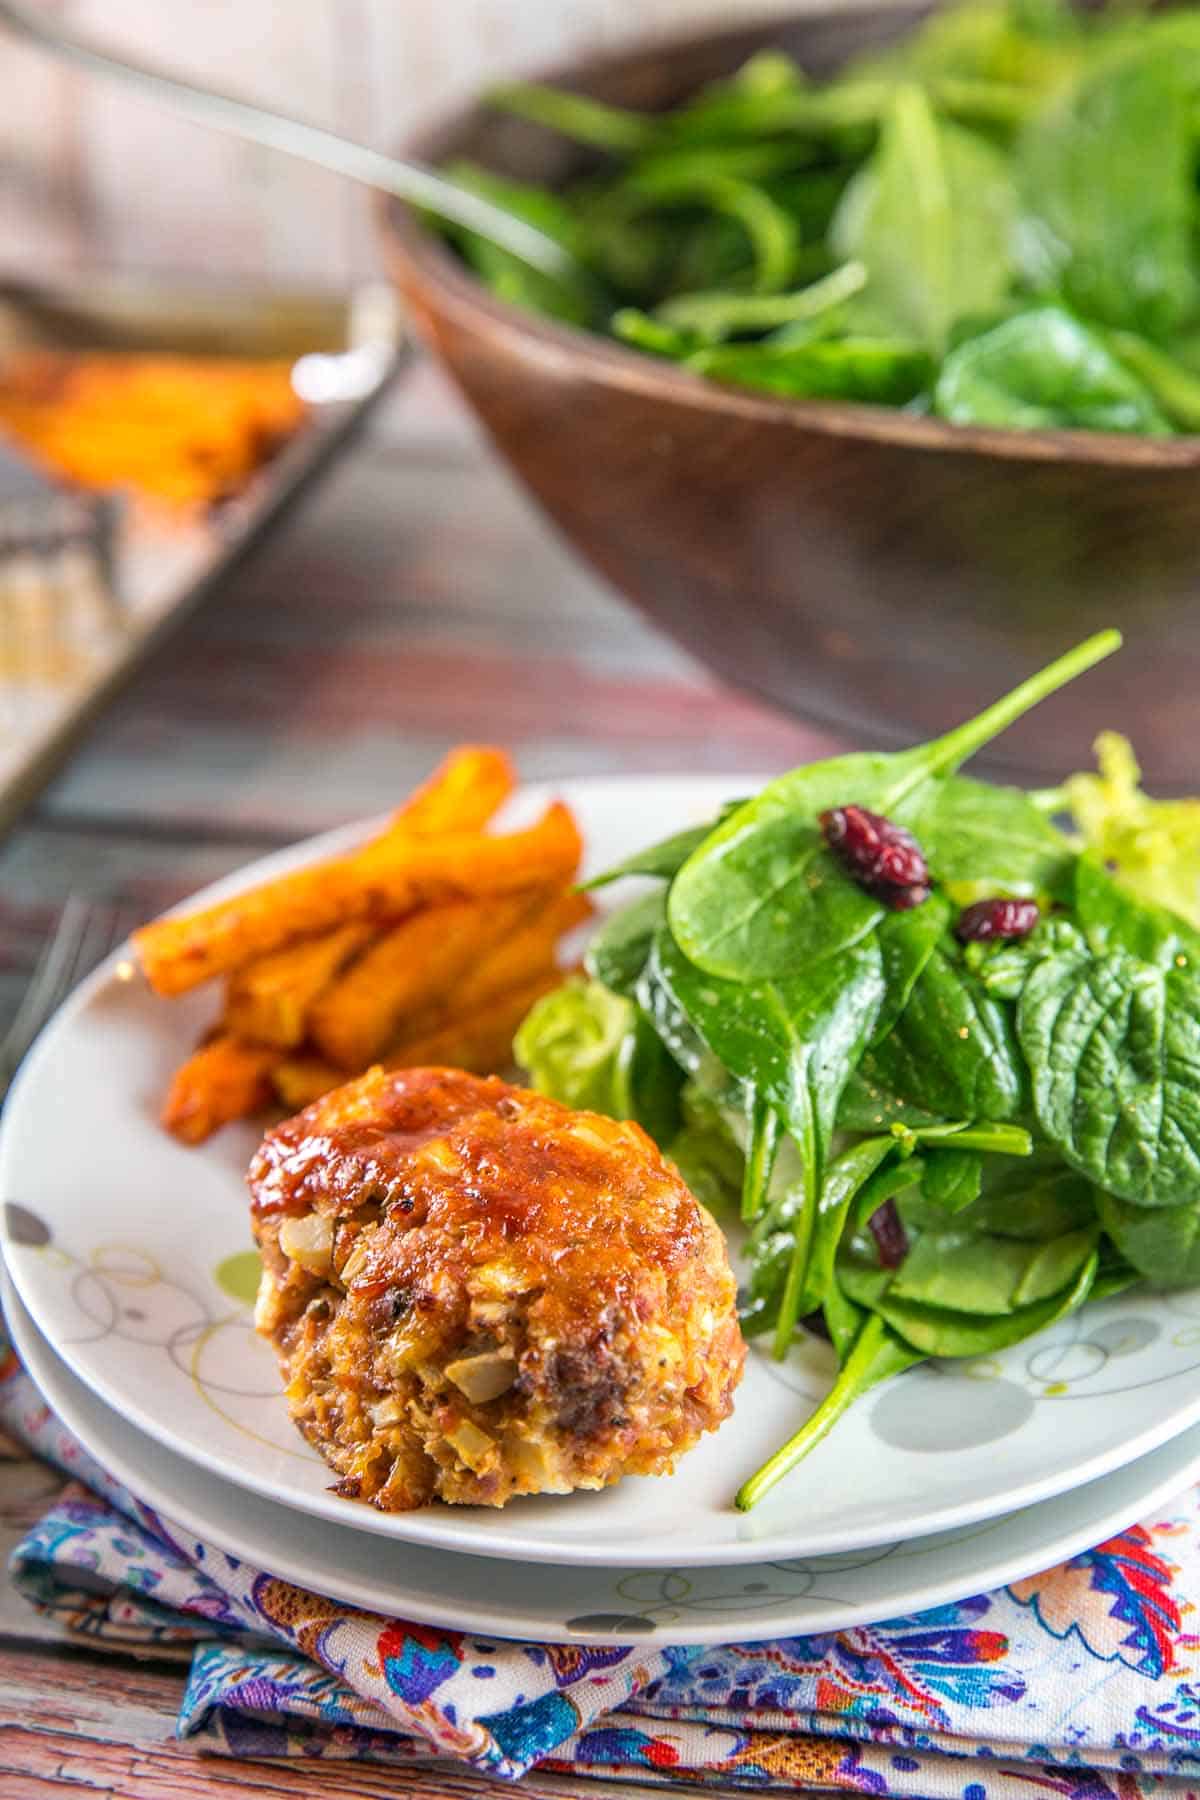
x: 477, y: 1292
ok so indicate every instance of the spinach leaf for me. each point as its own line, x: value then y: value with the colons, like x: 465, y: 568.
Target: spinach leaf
x: 1030, y: 45
x: 712, y: 317
x: 794, y: 1042
x: 700, y: 179
x: 876, y: 1355
x: 881, y: 371
x: 766, y: 1130
x: 843, y: 1320
x: 952, y: 1179
x: 848, y: 1175
x: 867, y: 1105
x: 907, y: 940
x: 941, y: 1331
x: 931, y: 217
x: 1112, y: 918
x: 644, y: 332
x: 769, y: 1265
x: 863, y: 1176
x: 1107, y: 180
x: 762, y: 896
x: 573, y: 300
x: 1044, y: 370
x: 966, y: 1271
x: 894, y: 1178
x: 953, y: 1051
x: 664, y: 859
x: 1161, y: 1242
x: 1114, y: 1276
x: 577, y: 116
x: 1003, y: 966
x: 1033, y: 1201
x: 989, y: 1135
x: 993, y: 839
x: 745, y: 104
x: 770, y: 96
x: 1113, y: 1047
x: 1174, y: 388
x: 705, y: 1151
x: 620, y: 949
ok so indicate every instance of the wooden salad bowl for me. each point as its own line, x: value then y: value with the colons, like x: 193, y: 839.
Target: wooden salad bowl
x: 883, y: 573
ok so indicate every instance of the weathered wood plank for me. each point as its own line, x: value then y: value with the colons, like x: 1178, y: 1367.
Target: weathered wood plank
x: 27, y: 1488
x: 417, y: 598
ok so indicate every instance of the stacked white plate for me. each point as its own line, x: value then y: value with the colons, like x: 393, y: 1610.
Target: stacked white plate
x: 134, y: 1278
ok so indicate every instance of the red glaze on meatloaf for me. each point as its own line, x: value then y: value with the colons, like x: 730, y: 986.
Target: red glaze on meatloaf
x: 477, y: 1293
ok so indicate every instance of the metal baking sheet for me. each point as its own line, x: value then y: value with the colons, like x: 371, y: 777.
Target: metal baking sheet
x: 346, y: 351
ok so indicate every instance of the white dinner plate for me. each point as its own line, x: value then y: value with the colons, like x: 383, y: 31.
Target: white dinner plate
x: 132, y: 1255
x: 671, y: 1605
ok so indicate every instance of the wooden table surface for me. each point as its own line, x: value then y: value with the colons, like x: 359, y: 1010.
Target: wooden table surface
x: 417, y: 600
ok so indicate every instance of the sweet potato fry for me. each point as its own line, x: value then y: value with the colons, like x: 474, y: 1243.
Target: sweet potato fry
x: 299, y: 1080
x: 462, y: 794
x: 412, y: 968
x: 523, y: 956
x: 480, y: 1041
x: 226, y: 1079
x: 381, y: 882
x: 268, y: 1000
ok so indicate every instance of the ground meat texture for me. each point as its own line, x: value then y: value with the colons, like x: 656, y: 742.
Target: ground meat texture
x: 477, y: 1293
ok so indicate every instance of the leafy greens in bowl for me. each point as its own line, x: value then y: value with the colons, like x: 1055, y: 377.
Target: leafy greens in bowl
x: 942, y: 1053
x: 994, y: 221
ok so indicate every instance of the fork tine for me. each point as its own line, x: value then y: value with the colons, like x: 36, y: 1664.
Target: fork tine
x: 57, y: 955
x: 106, y: 928
x: 84, y: 936
x: 91, y: 947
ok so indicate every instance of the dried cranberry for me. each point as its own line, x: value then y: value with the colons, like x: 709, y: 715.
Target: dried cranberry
x: 903, y: 899
x: 891, y: 1239
x: 882, y: 857
x: 989, y: 919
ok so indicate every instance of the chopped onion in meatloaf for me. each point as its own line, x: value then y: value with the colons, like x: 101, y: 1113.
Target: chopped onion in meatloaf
x: 477, y: 1293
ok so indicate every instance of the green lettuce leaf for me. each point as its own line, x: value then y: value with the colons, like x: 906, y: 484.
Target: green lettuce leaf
x: 591, y: 1048
x: 1152, y: 846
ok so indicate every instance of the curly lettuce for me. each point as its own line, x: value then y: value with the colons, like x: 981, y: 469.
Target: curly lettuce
x: 1151, y: 846
x: 591, y: 1048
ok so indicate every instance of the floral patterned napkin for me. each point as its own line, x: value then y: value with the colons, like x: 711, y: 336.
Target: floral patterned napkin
x: 1082, y: 1682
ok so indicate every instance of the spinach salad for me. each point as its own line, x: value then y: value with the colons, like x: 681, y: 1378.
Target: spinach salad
x: 995, y: 221
x: 936, y: 1042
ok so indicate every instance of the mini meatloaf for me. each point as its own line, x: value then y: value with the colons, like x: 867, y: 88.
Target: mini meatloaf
x: 476, y: 1292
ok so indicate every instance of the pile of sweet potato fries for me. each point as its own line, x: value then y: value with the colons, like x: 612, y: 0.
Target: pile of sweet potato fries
x: 177, y: 431
x: 426, y: 946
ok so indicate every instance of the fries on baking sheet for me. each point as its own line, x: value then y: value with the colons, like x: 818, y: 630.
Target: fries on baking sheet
x: 427, y: 944
x: 181, y: 431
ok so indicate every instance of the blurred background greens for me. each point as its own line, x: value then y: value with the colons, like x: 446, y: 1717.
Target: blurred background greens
x: 995, y: 220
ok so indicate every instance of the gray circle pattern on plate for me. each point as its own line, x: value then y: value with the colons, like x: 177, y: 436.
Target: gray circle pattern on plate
x: 925, y: 1412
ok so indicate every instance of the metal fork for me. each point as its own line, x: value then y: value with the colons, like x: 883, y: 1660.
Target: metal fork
x: 409, y: 180
x: 86, y: 932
